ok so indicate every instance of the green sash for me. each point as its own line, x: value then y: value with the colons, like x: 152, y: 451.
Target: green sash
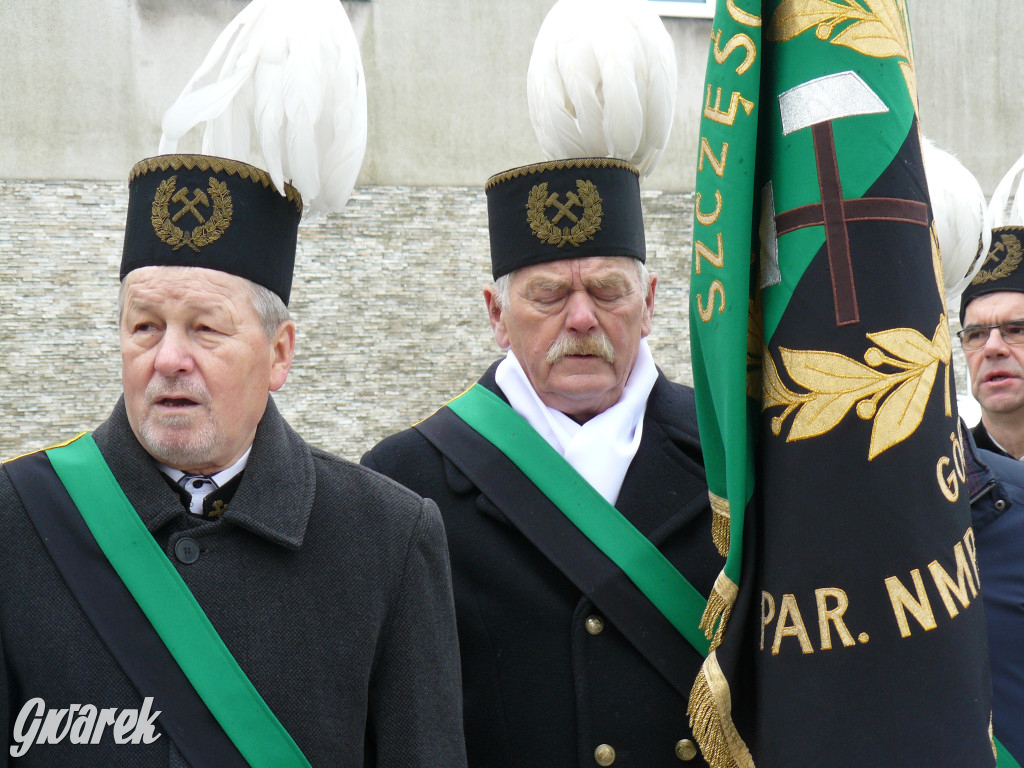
x: 171, y: 608
x: 1003, y: 758
x: 598, y: 520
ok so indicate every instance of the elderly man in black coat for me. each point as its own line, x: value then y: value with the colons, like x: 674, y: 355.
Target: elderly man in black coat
x: 565, y: 477
x: 192, y: 584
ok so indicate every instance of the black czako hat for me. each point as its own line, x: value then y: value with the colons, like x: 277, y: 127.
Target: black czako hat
x: 201, y: 211
x: 564, y: 209
x: 1002, y: 268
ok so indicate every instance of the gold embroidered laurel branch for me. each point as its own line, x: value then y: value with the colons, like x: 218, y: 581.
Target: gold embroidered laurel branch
x: 1005, y: 268
x: 879, y: 28
x: 584, y: 229
x: 207, y: 232
x: 895, y: 402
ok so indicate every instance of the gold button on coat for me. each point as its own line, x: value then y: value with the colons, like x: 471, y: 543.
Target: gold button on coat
x: 604, y: 754
x: 686, y: 750
x: 595, y: 626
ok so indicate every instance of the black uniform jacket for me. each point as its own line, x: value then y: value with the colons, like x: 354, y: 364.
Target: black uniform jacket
x: 329, y: 584
x: 547, y: 678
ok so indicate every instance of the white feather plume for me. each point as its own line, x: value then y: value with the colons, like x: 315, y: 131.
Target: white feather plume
x: 958, y: 205
x: 287, y: 72
x: 1007, y: 194
x: 602, y: 82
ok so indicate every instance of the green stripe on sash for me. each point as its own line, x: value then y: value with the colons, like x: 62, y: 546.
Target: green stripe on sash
x: 1003, y: 758
x: 599, y: 521
x: 172, y: 609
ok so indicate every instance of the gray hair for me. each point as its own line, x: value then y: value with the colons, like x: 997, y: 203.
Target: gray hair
x: 269, y: 307
x: 503, y: 285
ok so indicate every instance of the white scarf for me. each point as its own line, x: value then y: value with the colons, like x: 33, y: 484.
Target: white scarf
x: 601, y: 448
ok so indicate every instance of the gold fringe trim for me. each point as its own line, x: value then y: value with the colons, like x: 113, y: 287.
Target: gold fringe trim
x: 215, y: 164
x: 710, y: 711
x: 992, y: 738
x: 719, y: 609
x: 558, y: 165
x: 720, y: 518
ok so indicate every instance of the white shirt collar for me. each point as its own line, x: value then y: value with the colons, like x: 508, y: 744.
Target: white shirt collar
x: 219, y: 479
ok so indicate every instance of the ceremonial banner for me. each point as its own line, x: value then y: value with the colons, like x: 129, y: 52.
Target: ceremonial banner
x: 847, y: 626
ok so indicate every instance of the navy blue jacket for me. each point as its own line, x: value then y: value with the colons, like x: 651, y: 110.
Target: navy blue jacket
x: 996, y: 485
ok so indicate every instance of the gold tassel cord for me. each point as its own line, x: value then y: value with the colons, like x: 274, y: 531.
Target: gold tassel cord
x: 720, y: 520
x: 710, y: 716
x: 719, y: 609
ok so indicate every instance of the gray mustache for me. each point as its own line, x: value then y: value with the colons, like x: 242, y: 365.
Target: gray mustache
x: 596, y: 344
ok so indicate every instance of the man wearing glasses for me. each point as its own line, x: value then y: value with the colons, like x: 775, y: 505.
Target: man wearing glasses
x: 992, y: 316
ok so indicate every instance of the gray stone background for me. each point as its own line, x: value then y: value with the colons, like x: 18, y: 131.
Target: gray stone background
x: 387, y: 299
x: 387, y: 294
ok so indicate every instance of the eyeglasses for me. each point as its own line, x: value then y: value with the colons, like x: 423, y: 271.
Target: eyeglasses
x: 974, y: 337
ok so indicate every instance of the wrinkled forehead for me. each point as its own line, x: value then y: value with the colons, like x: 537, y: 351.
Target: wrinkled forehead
x: 589, y: 268
x: 995, y: 307
x: 195, y: 287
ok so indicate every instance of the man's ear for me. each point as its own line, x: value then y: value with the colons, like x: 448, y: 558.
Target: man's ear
x: 494, y: 315
x: 645, y: 325
x: 283, y: 347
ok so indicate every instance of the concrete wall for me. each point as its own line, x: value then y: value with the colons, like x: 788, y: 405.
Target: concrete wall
x: 84, y: 84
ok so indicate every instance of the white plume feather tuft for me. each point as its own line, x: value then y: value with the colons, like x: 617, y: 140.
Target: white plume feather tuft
x: 289, y: 73
x: 1007, y: 190
x: 602, y: 82
x: 958, y: 205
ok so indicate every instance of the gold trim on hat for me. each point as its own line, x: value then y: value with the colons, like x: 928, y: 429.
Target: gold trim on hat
x: 548, y: 231
x: 215, y: 164
x: 558, y: 165
x: 208, y: 231
x: 1007, y: 241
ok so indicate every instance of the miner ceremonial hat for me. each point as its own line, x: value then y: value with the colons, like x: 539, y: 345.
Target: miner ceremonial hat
x: 202, y: 211
x: 265, y: 162
x: 601, y: 90
x: 1001, y: 270
x: 564, y: 209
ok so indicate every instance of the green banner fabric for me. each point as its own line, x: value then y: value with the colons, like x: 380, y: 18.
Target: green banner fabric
x: 171, y: 608
x: 599, y: 521
x: 846, y: 627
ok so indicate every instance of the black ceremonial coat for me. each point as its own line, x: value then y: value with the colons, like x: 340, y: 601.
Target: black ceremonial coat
x: 328, y: 583
x: 547, y: 677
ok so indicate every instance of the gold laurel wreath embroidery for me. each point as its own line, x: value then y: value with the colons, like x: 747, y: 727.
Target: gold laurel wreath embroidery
x: 1014, y: 254
x: 835, y: 383
x: 550, y: 233
x: 202, y: 235
x: 880, y: 28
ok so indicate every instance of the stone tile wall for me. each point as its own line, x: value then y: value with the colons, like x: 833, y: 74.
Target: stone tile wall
x: 387, y: 298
